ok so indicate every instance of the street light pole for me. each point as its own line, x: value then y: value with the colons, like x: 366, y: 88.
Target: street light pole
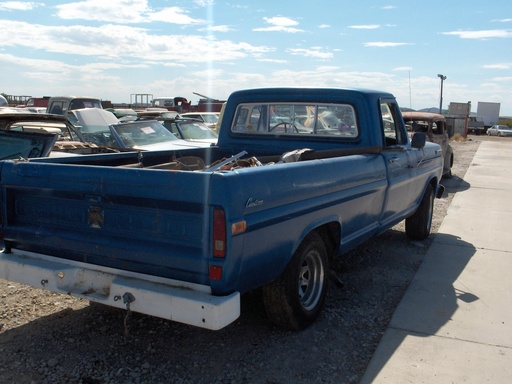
x: 443, y: 78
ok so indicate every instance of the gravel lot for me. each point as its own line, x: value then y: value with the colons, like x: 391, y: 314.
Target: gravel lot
x: 53, y: 338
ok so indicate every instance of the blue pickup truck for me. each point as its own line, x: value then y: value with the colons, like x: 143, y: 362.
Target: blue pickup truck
x: 299, y: 176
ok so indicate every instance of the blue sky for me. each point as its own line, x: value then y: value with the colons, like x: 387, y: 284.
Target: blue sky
x: 112, y: 49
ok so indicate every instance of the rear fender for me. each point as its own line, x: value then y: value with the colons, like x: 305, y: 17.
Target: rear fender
x: 331, y: 232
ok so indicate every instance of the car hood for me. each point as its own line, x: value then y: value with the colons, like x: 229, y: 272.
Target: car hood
x: 173, y: 145
x: 207, y: 142
x: 94, y: 119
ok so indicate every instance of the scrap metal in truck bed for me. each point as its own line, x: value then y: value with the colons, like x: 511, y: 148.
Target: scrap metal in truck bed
x: 299, y: 176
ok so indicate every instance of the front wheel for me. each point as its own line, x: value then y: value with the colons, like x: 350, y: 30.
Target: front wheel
x: 417, y: 226
x: 296, y: 298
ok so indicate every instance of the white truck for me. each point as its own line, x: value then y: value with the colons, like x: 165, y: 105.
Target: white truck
x: 489, y: 112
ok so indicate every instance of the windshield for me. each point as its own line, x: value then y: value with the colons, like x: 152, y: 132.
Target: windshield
x: 84, y: 103
x: 142, y: 133
x: 192, y: 130
x: 15, y: 145
x: 63, y: 131
x: 417, y: 126
x: 211, y: 118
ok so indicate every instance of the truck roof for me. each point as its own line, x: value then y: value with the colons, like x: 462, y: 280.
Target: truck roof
x: 304, y: 93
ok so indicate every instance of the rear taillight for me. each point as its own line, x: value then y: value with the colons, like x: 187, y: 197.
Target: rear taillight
x: 219, y: 233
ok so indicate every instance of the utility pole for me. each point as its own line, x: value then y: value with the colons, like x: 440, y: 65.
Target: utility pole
x: 443, y: 78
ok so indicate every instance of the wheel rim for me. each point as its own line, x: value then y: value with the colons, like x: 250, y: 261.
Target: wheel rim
x: 311, y: 280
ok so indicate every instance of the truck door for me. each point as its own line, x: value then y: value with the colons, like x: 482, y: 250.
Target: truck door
x: 400, y: 162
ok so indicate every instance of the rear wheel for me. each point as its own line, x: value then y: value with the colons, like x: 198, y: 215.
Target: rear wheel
x: 296, y: 298
x: 417, y: 226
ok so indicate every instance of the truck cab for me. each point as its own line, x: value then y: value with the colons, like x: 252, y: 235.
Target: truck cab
x: 60, y: 105
x: 38, y: 102
x: 476, y: 125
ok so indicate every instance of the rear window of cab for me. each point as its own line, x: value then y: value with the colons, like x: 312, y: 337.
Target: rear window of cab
x: 298, y: 119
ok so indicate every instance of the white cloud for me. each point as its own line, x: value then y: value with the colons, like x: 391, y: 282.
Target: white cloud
x: 276, y: 61
x: 331, y: 77
x: 174, y: 15
x: 281, y: 21
x: 204, y: 3
x: 370, y: 26
x: 497, y: 66
x: 384, y: 44
x: 120, y: 11
x: 19, y: 5
x: 124, y: 12
x: 484, y: 34
x: 279, y: 24
x: 130, y: 43
x: 45, y: 71
x: 310, y: 52
x: 210, y: 74
x: 218, y: 28
x: 48, y: 65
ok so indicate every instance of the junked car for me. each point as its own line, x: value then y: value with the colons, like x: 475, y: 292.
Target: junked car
x: 499, y: 130
x: 157, y: 114
x: 25, y: 145
x: 103, y: 128
x: 434, y: 125
x: 188, y: 129
x: 68, y: 139
x: 123, y: 114
x: 209, y: 118
x: 191, y: 130
x: 61, y: 105
x: 149, y: 135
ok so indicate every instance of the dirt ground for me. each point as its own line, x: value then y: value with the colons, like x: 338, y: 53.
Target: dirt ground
x: 53, y: 338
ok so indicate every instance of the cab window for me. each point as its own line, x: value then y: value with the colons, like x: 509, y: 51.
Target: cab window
x: 391, y: 127
x: 297, y: 119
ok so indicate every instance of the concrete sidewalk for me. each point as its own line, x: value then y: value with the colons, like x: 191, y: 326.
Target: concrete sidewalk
x: 454, y: 324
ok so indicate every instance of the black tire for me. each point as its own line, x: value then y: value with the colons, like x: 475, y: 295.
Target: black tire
x: 448, y: 175
x: 417, y: 226
x: 296, y: 298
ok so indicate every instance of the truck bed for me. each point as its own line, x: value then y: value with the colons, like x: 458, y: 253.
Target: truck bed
x: 152, y: 219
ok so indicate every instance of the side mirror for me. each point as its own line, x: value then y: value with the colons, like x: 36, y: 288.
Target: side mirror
x: 418, y: 140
